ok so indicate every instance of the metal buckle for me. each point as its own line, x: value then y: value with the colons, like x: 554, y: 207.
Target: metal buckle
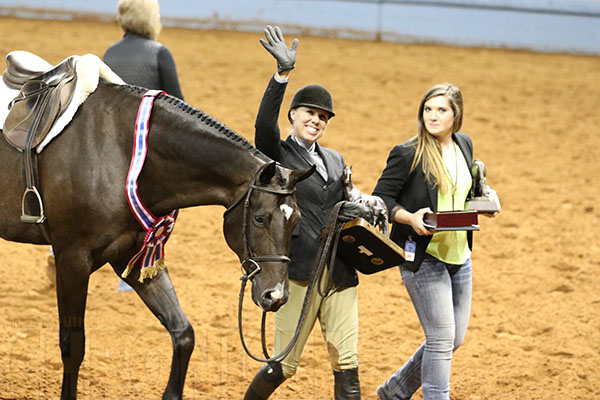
x: 256, y: 270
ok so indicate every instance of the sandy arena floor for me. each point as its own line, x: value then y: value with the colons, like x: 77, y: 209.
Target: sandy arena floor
x: 535, y: 325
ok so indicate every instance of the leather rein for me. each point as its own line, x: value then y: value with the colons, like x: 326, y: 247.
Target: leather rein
x: 324, y: 253
x: 251, y: 259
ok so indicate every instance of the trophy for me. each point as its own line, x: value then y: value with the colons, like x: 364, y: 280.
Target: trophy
x: 479, y: 198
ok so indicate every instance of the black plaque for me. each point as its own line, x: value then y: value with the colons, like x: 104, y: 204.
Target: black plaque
x: 367, y: 249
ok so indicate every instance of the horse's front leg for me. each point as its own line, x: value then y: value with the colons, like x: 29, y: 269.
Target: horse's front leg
x: 73, y: 270
x: 159, y: 295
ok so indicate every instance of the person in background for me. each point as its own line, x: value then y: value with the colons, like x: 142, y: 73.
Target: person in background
x: 431, y: 172
x: 138, y: 58
x: 310, y: 112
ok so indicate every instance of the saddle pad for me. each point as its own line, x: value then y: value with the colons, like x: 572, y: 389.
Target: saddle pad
x: 89, y: 69
x: 366, y: 249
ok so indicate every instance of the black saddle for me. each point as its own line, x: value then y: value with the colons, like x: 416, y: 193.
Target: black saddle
x: 43, y: 97
x: 22, y: 66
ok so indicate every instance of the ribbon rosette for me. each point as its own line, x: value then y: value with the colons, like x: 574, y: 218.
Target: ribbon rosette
x: 152, y: 253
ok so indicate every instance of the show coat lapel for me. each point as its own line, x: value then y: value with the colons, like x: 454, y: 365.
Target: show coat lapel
x: 303, y: 153
x: 464, y: 148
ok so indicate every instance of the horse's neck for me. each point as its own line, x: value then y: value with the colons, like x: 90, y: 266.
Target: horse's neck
x: 204, y: 175
x: 191, y: 162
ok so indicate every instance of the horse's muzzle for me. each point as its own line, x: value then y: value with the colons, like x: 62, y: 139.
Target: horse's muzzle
x: 270, y: 299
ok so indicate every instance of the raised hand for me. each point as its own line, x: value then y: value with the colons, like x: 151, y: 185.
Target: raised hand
x: 275, y: 44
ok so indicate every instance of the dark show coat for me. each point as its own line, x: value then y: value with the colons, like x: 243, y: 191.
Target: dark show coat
x: 315, y: 196
x: 411, y: 192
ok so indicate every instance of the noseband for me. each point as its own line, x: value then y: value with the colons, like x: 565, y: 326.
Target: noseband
x: 250, y: 259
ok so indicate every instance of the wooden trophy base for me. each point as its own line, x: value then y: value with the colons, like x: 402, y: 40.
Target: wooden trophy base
x: 451, y: 221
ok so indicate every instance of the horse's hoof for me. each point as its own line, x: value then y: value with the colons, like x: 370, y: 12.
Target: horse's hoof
x: 51, y: 269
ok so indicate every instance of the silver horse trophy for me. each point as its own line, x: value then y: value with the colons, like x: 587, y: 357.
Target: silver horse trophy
x: 479, y: 197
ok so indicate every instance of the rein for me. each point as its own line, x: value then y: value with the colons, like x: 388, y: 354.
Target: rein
x: 333, y: 229
x: 249, y: 256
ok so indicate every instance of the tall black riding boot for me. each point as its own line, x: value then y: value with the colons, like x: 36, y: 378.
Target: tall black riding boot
x: 266, y: 380
x: 347, y: 386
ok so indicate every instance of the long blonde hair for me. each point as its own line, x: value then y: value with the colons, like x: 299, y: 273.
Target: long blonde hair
x: 141, y: 17
x: 428, y: 149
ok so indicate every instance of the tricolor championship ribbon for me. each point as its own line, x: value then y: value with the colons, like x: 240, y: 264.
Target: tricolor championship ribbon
x: 152, y: 254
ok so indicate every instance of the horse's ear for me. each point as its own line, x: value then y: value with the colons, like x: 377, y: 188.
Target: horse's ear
x: 267, y: 173
x: 299, y: 175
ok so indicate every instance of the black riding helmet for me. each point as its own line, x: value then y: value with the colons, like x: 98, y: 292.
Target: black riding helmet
x: 313, y: 95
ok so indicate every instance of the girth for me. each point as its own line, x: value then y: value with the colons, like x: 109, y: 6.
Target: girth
x: 41, y: 100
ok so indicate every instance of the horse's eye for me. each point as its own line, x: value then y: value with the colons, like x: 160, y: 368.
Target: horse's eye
x: 259, y: 219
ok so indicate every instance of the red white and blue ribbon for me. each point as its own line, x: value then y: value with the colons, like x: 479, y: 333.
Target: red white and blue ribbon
x: 151, y: 255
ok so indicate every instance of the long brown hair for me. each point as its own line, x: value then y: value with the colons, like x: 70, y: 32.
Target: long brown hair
x: 428, y: 149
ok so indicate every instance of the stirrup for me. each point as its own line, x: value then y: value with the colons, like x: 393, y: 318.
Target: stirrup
x: 32, y: 219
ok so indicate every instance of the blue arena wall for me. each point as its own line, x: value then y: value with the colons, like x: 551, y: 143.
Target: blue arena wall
x: 570, y: 26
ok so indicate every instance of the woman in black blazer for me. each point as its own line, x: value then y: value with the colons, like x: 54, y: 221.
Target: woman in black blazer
x: 310, y: 111
x: 428, y: 173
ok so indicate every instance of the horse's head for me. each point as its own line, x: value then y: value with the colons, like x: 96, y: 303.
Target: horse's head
x: 259, y: 226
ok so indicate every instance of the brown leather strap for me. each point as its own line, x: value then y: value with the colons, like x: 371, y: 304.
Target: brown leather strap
x: 30, y: 171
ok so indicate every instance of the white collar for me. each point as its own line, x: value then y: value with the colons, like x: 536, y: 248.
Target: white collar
x: 310, y: 150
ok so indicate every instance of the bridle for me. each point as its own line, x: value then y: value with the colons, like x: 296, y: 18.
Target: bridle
x: 324, y: 254
x: 251, y: 259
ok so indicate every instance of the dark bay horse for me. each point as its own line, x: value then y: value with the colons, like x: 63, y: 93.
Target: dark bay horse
x: 192, y: 160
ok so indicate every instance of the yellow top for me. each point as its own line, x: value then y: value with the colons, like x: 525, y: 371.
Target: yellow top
x: 451, y: 247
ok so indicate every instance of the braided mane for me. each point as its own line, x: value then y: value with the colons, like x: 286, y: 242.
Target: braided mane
x: 204, y: 118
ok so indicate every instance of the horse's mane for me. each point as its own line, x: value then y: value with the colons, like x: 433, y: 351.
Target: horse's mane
x: 181, y: 106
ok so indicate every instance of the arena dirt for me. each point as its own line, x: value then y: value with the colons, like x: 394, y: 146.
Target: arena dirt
x: 535, y: 325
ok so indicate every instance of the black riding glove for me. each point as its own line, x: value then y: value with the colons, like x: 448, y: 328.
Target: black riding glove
x: 286, y: 57
x: 351, y: 210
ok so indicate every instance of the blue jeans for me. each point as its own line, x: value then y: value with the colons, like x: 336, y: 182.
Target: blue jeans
x: 441, y: 295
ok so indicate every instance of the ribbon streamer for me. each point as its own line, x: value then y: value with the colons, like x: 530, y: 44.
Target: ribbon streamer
x: 151, y: 256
